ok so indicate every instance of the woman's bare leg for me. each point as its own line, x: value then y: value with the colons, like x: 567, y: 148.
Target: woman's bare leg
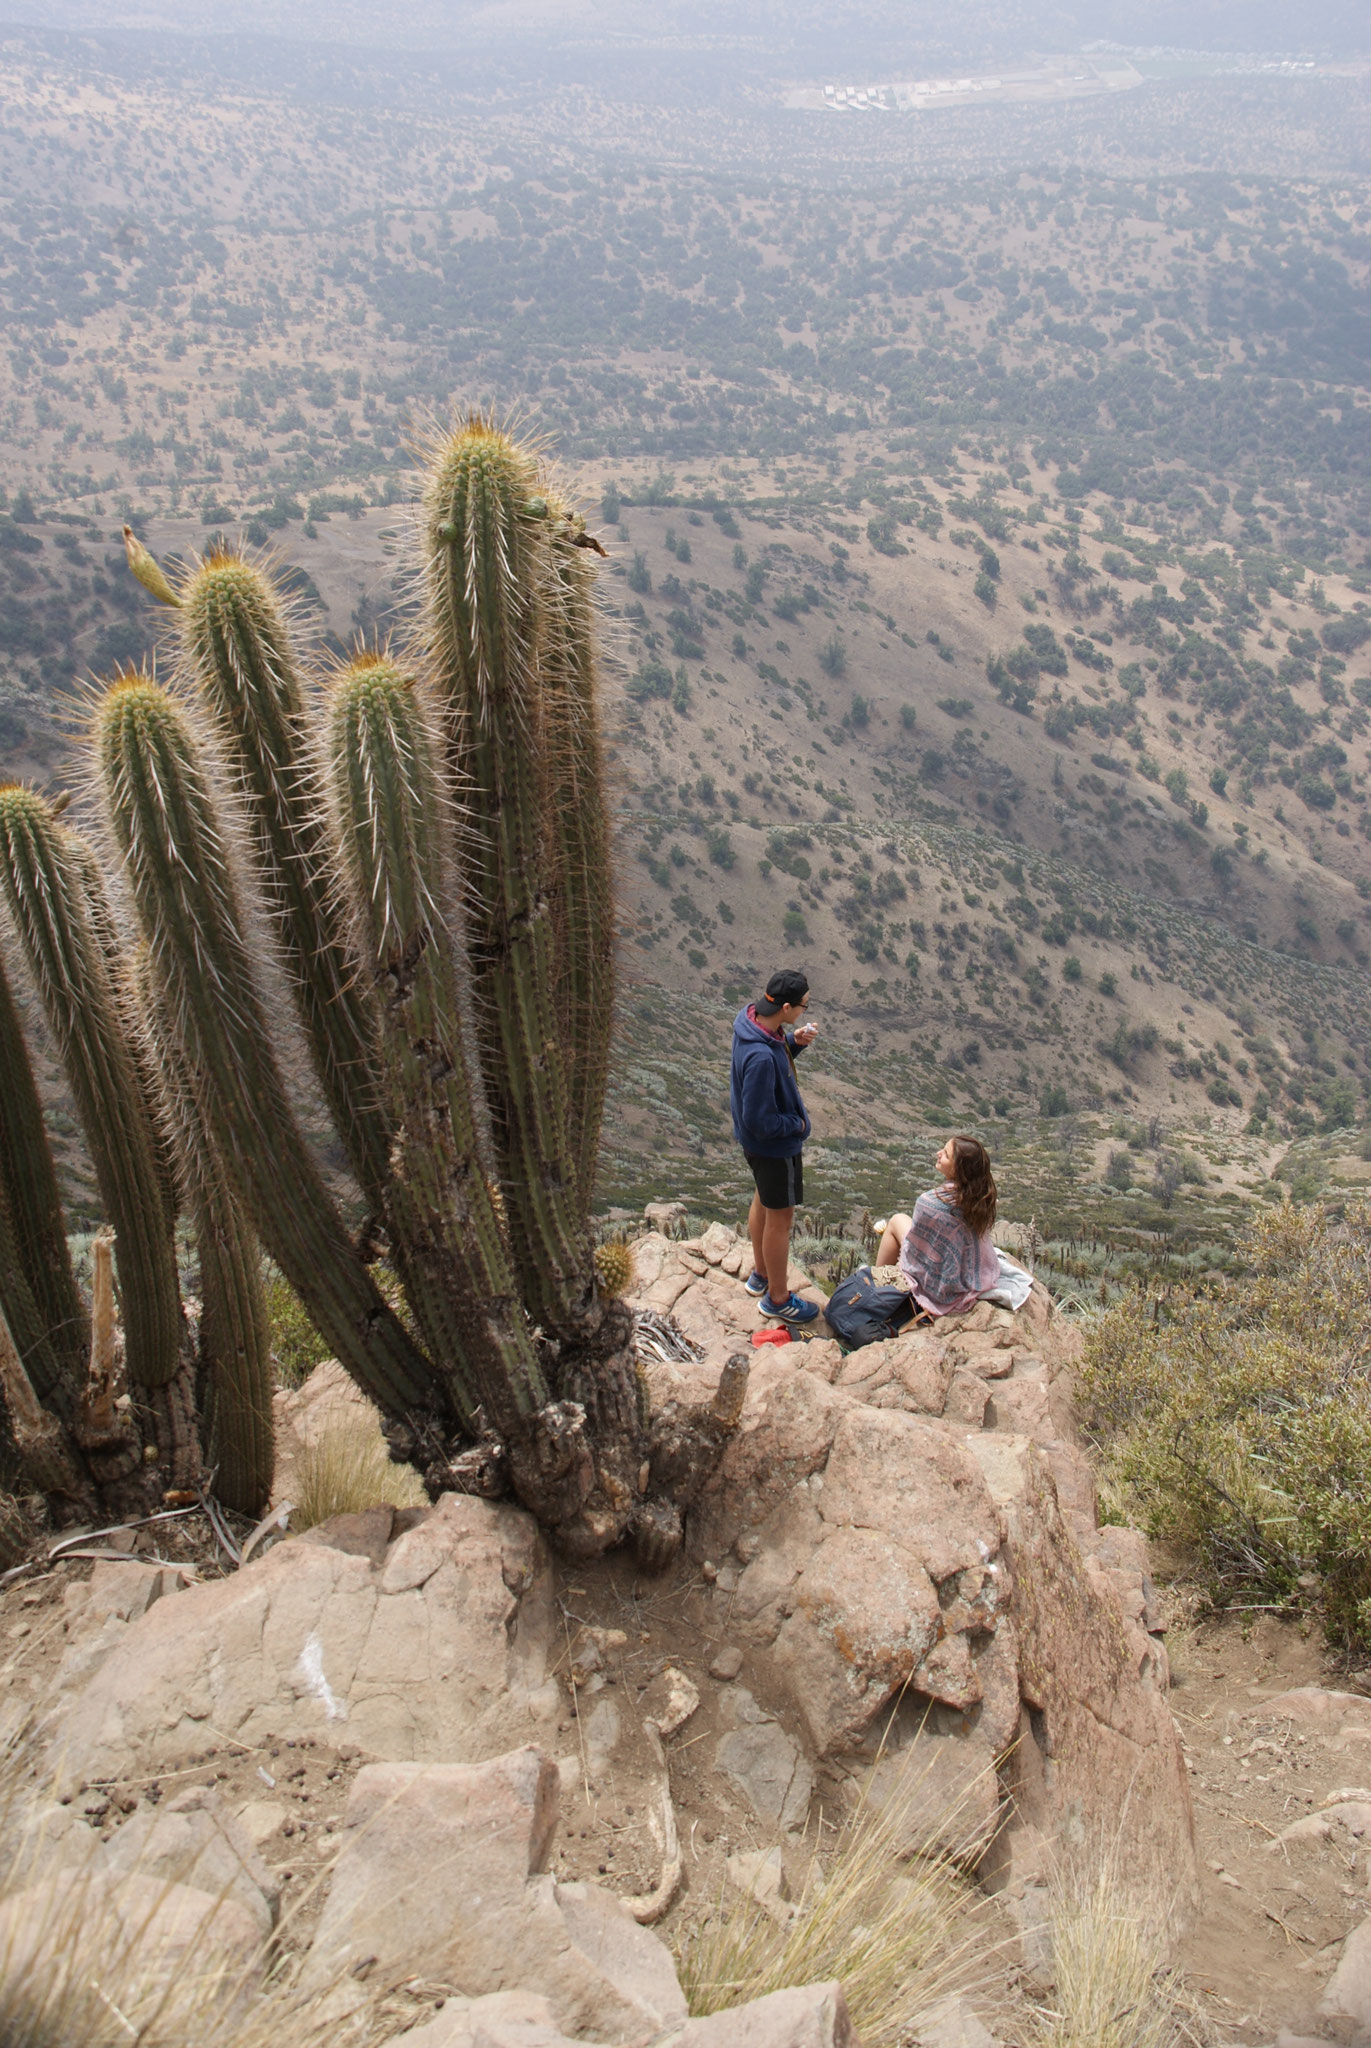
x: 894, y: 1235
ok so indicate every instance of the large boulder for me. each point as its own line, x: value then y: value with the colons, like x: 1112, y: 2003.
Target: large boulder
x: 443, y: 1871
x: 809, y: 2016
x: 414, y: 1635
x: 901, y: 1545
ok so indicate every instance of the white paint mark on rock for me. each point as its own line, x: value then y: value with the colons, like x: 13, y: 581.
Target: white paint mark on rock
x: 310, y: 1670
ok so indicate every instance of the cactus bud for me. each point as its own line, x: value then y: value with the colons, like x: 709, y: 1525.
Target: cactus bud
x: 614, y: 1268
x: 148, y: 570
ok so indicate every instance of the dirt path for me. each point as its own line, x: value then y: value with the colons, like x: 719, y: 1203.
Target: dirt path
x: 1273, y: 1917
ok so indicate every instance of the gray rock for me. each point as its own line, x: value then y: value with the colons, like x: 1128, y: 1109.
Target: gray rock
x: 738, y: 1708
x: 127, y: 1589
x: 770, y: 1769
x: 195, y: 1840
x: 727, y: 1664
x: 434, y: 1652
x: 443, y: 1871
x: 813, y: 2016
x: 942, y: 1795
x: 503, y: 2019
x: 1348, y: 1993
x: 810, y: 2016
x: 953, y: 2025
x: 47, y: 1837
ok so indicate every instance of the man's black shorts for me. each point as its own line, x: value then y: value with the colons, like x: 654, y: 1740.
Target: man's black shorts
x: 780, y: 1182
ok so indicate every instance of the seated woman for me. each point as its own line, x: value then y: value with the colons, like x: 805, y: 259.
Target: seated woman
x: 945, y: 1255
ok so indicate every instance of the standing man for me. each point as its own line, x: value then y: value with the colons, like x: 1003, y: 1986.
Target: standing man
x: 771, y: 1124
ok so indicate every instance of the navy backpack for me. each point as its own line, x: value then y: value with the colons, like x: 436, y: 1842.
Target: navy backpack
x: 860, y: 1311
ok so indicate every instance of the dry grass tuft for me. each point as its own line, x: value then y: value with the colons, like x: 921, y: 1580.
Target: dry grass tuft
x: 1111, y: 1938
x: 895, y: 1928
x: 347, y: 1469
x: 80, y: 1963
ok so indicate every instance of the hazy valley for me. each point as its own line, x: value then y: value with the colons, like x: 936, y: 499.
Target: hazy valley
x: 987, y: 583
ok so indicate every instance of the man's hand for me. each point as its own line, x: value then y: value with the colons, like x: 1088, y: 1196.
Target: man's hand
x: 806, y: 1034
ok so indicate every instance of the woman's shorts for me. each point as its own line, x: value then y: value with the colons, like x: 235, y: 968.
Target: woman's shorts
x: 780, y: 1182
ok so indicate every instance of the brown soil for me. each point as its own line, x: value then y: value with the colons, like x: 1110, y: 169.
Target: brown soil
x: 1272, y: 1920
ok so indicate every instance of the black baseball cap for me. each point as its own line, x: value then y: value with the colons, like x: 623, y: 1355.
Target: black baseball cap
x: 787, y: 986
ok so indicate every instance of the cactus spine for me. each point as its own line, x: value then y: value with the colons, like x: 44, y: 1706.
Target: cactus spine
x: 56, y: 900
x: 238, y: 646
x: 445, y: 1234
x: 487, y: 558
x: 178, y: 868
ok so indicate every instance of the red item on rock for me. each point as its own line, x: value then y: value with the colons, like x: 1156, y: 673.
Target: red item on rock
x: 771, y: 1336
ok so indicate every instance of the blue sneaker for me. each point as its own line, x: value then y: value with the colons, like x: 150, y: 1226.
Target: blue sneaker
x: 755, y: 1284
x: 793, y: 1310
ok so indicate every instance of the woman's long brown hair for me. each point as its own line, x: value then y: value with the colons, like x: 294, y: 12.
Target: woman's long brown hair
x: 977, y: 1195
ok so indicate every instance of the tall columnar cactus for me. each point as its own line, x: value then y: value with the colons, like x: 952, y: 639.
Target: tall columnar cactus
x: 580, y: 859
x: 429, y: 838
x: 236, y: 1428
x: 178, y: 867
x: 489, y: 572
x: 238, y: 647
x: 55, y: 894
x: 445, y: 1234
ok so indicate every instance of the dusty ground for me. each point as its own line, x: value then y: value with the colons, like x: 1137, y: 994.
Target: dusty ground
x: 1273, y: 1918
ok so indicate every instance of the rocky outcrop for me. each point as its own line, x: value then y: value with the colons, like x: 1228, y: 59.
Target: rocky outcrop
x: 910, y: 1531
x: 413, y: 1634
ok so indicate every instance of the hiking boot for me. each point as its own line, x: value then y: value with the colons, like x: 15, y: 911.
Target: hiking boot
x: 793, y: 1310
x: 755, y: 1284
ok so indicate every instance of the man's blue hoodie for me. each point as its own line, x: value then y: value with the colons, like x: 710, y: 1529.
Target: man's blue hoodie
x: 770, y: 1120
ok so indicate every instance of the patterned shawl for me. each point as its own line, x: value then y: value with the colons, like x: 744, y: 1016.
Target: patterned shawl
x: 949, y: 1269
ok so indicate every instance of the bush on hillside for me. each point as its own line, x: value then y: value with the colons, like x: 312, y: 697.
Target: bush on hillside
x: 1238, y: 1422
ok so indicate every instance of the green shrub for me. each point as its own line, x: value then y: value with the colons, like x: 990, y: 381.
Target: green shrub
x: 296, y: 1346
x: 1238, y: 1422
x: 833, y: 657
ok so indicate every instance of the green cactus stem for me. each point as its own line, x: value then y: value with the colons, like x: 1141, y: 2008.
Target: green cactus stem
x: 487, y: 566
x: 582, y: 890
x: 45, y: 1452
x: 236, y: 638
x: 56, y: 899
x: 28, y: 1323
x: 445, y: 1234
x: 236, y: 1424
x: 36, y: 1279
x: 235, y: 1345
x: 178, y: 868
